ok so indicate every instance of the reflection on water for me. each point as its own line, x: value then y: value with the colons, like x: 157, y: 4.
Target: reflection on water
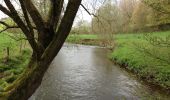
x: 85, y: 73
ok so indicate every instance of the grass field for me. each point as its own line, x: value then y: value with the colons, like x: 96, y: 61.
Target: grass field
x: 11, y: 69
x: 151, y: 62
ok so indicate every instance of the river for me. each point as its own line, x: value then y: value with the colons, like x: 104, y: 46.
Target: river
x: 85, y: 73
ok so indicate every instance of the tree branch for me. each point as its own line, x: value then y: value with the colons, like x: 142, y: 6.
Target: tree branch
x: 91, y: 14
x: 35, y: 15
x: 63, y: 30
x: 9, y: 27
x: 14, y: 15
x: 4, y: 10
x: 6, y: 26
x: 26, y: 17
x: 3, y: 23
x: 55, y: 12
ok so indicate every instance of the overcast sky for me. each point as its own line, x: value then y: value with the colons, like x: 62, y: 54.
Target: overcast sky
x: 91, y: 5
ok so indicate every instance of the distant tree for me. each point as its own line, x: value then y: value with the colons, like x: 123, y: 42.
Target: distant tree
x: 161, y: 9
x: 108, y: 20
x: 155, y: 13
x: 82, y: 27
x: 147, y: 18
x: 159, y: 5
x: 127, y: 8
x: 139, y: 17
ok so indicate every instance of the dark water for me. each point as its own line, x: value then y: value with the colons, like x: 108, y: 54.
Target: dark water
x: 85, y: 73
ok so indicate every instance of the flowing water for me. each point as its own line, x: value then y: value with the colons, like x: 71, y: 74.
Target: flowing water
x: 86, y: 73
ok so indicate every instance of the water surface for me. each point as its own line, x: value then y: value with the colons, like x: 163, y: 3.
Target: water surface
x: 86, y: 73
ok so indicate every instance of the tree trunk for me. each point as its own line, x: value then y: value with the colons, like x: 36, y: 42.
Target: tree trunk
x: 27, y: 84
x: 49, y: 44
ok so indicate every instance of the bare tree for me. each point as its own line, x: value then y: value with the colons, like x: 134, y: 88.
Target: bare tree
x: 127, y: 8
x: 51, y: 36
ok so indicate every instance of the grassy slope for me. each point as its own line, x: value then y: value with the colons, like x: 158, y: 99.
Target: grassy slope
x: 145, y: 65
x: 10, y: 70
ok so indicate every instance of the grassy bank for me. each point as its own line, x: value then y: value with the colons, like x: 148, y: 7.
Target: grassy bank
x: 87, y: 39
x: 150, y: 62
x: 90, y: 39
x: 12, y: 65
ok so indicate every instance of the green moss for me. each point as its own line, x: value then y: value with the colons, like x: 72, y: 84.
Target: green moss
x: 10, y: 70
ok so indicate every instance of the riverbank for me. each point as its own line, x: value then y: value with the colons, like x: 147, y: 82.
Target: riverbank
x: 12, y: 61
x: 148, y: 61
x: 87, y: 39
x: 137, y: 54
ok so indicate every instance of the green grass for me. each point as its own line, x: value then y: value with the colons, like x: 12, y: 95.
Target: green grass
x: 151, y: 62
x: 87, y: 39
x: 78, y: 37
x: 84, y: 36
x: 6, y: 41
x: 11, y: 69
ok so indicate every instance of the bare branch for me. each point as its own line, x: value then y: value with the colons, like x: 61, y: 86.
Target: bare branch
x: 3, y: 23
x: 63, y: 30
x: 7, y: 26
x: 5, y: 10
x: 91, y: 14
x: 26, y: 17
x: 35, y: 15
x: 14, y: 15
x: 56, y: 8
x: 17, y: 38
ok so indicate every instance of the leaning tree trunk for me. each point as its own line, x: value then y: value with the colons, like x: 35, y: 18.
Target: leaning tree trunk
x: 27, y: 84
x: 23, y: 88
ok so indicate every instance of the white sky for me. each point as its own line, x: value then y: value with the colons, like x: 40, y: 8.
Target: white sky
x: 81, y: 15
x: 92, y: 6
x: 2, y: 15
